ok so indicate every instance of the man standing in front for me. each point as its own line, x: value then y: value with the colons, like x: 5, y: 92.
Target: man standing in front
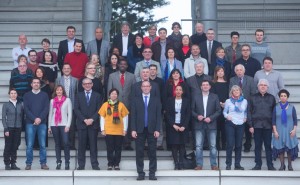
x: 260, y: 111
x: 145, y: 125
x: 20, y: 50
x: 98, y: 46
x: 87, y: 105
x: 36, y: 106
x: 205, y: 111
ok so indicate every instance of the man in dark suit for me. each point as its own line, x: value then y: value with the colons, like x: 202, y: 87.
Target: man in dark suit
x: 70, y: 84
x: 208, y: 47
x: 248, y: 87
x: 67, y: 46
x: 123, y: 81
x: 123, y: 40
x: 205, y: 111
x: 145, y: 125
x: 86, y: 109
x: 98, y: 46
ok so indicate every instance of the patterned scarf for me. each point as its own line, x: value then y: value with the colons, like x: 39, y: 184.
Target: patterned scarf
x: 167, y: 70
x: 57, y: 105
x: 237, y: 103
x: 283, y: 113
x: 115, y: 105
x: 220, y: 62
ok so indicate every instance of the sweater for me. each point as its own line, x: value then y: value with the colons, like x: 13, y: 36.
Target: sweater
x: 251, y: 66
x: 36, y: 106
x: 77, y: 62
x: 66, y: 114
x: 12, y: 116
x: 260, y: 51
x: 189, y: 66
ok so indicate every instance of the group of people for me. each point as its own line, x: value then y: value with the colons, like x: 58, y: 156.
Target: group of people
x: 140, y: 88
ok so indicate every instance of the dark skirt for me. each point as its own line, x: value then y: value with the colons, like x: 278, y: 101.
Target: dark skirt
x: 174, y: 137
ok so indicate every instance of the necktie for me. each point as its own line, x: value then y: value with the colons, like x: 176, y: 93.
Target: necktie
x: 122, y: 80
x: 67, y: 86
x: 240, y: 83
x: 146, y: 111
x: 87, y: 98
x: 209, y: 52
x: 147, y: 63
x: 233, y: 56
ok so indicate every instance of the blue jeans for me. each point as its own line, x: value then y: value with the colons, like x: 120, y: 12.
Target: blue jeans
x: 211, y: 137
x: 234, y: 136
x: 31, y: 131
x: 61, y: 138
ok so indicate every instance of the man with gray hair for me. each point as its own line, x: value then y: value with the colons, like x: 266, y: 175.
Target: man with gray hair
x: 199, y: 36
x: 21, y: 49
x: 189, y: 68
x: 246, y: 83
x: 123, y: 40
x: 274, y: 77
x: 259, y: 115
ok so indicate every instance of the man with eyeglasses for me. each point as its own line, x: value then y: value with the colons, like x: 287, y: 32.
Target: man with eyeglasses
x: 21, y: 80
x: 251, y: 64
x: 86, y: 108
x: 21, y: 49
x: 147, y: 54
x: 32, y: 64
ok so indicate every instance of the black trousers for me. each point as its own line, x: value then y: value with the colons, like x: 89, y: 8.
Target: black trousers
x: 72, y: 132
x: 139, y: 146
x: 12, y: 143
x: 178, y: 149
x: 114, y: 149
x: 248, y: 137
x: 85, y: 136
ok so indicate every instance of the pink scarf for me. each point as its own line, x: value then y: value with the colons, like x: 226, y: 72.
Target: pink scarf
x: 57, y: 105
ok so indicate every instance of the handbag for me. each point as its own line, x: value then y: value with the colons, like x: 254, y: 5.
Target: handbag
x: 189, y: 161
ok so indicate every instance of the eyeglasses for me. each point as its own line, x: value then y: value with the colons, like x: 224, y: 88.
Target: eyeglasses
x: 87, y: 83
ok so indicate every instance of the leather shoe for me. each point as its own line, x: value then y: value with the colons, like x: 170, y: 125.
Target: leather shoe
x: 96, y: 168
x: 214, y: 168
x: 67, y: 166
x: 228, y: 167
x: 256, y: 168
x: 247, y: 150
x: 198, y: 168
x: 80, y: 168
x: 28, y: 167
x: 13, y: 167
x: 159, y: 148
x: 152, y: 178
x: 271, y: 168
x: 44, y: 167
x: 7, y: 167
x: 58, y: 166
x: 238, y: 168
x: 140, y: 178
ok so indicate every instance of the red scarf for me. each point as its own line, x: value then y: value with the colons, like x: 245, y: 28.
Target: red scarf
x: 57, y: 105
x: 174, y: 86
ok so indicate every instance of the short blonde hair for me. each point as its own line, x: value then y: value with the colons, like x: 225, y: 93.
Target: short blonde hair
x: 233, y: 88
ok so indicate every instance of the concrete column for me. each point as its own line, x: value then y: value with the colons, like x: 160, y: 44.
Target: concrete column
x: 208, y: 10
x: 90, y: 13
x: 106, y: 12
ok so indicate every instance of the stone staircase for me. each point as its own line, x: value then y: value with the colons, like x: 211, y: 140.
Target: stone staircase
x: 42, y: 18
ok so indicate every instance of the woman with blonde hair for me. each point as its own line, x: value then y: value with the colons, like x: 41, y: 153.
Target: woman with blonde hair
x: 235, y: 112
x: 90, y: 72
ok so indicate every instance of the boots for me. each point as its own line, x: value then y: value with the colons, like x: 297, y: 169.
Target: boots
x: 14, y: 167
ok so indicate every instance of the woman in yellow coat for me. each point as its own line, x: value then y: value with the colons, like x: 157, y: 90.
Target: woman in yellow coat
x: 114, y: 123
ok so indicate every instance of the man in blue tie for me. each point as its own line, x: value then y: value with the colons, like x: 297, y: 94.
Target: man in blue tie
x: 146, y: 121
x: 86, y: 108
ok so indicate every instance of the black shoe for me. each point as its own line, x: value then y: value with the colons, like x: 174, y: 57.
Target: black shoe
x: 72, y: 148
x: 159, y: 148
x: 96, y: 168
x: 256, y: 168
x: 58, y: 166
x: 109, y: 168
x: 128, y: 148
x: 7, y: 167
x: 271, y: 168
x: 140, y: 178
x: 117, y: 167
x: 152, y: 178
x: 14, y: 167
x: 228, y: 167
x: 282, y: 167
x: 247, y: 150
x: 67, y: 166
x: 80, y: 168
x: 176, y: 167
x: 238, y: 168
x: 290, y: 168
